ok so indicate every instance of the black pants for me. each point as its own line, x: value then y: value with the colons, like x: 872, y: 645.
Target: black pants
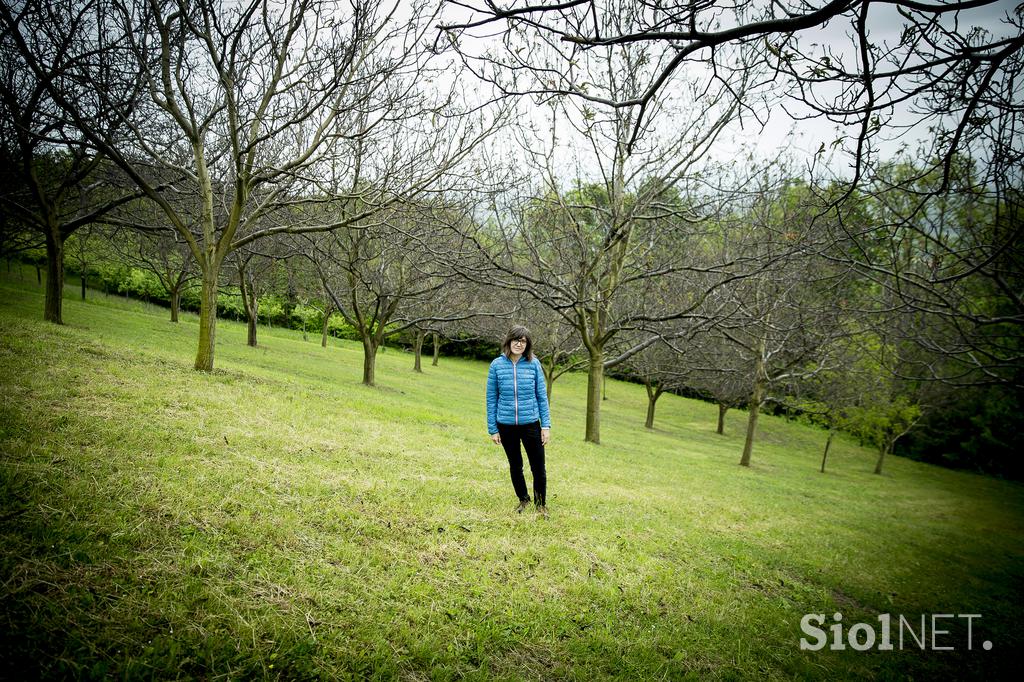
x: 529, y: 435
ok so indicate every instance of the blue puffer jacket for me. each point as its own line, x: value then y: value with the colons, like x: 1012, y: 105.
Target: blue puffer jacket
x: 516, y: 393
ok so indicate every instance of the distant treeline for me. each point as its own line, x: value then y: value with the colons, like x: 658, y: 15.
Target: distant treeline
x: 968, y: 428
x: 276, y: 309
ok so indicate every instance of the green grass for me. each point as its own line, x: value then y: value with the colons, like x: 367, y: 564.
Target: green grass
x: 276, y: 519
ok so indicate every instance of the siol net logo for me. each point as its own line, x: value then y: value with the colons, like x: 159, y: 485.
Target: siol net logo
x: 908, y: 633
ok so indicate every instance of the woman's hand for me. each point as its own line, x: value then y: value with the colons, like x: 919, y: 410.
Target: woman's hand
x: 496, y: 437
x: 545, y: 436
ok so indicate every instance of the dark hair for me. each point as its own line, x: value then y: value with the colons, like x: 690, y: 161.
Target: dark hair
x: 518, y: 332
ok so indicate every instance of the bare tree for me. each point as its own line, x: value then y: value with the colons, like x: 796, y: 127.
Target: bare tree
x: 83, y: 248
x: 948, y: 64
x: 256, y: 277
x: 950, y: 270
x: 381, y: 276
x: 560, y: 349
x: 308, y: 288
x: 439, y: 314
x: 836, y: 398
x: 53, y: 184
x: 787, y: 316
x: 721, y: 375
x: 661, y: 368
x: 686, y: 347
x: 250, y: 106
x: 586, y: 239
x: 886, y: 73
x: 495, y: 308
x: 141, y: 238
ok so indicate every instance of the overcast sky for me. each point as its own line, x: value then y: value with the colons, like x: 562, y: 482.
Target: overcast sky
x: 801, y: 139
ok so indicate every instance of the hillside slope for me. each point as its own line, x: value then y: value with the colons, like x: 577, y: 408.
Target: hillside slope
x: 277, y: 519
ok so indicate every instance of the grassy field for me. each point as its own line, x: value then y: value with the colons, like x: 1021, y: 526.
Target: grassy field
x: 276, y: 519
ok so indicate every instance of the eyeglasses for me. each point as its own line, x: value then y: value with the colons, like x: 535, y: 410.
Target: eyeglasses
x: 522, y: 341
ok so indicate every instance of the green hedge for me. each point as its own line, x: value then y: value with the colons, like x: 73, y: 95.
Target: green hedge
x: 274, y: 309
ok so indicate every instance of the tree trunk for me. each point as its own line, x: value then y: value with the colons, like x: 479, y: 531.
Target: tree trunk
x: 175, y: 304
x: 437, y: 349
x: 828, y: 444
x: 549, y: 375
x: 369, y: 359
x: 595, y: 378
x: 882, y: 451
x: 756, y: 398
x: 327, y: 318
x: 251, y: 305
x: 653, y: 393
x: 420, y: 335
x: 722, y: 409
x: 54, y: 278
x: 748, y: 445
x: 82, y: 275
x: 251, y: 330
x: 207, y: 318
x: 39, y: 274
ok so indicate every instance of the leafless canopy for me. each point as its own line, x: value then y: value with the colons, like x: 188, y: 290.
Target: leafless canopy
x: 947, y: 64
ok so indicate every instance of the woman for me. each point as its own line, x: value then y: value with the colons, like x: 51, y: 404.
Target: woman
x: 517, y: 412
